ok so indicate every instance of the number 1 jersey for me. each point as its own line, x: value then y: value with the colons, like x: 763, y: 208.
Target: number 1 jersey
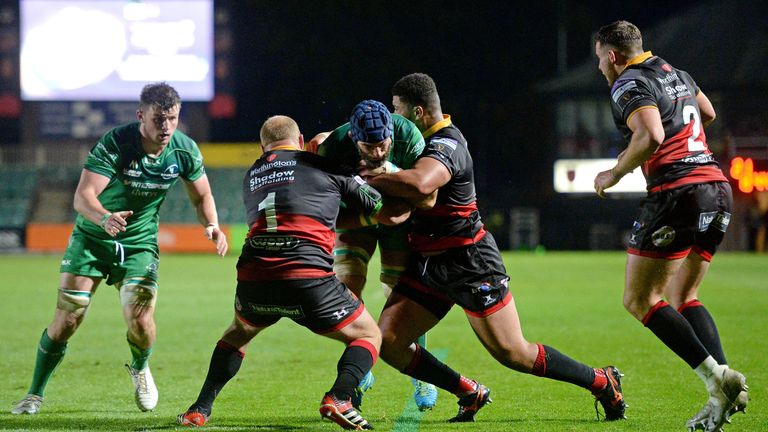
x: 292, y: 200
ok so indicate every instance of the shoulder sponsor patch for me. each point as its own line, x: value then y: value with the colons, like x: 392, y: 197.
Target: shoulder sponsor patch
x: 443, y: 145
x: 622, y: 87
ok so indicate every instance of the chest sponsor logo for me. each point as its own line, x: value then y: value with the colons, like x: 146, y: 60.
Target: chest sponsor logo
x: 171, y: 172
x: 132, y: 170
x: 678, y: 91
x: 271, y: 179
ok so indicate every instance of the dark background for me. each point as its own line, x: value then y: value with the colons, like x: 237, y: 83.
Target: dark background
x: 314, y: 60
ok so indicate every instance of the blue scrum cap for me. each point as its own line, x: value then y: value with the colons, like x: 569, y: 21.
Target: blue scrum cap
x: 371, y: 122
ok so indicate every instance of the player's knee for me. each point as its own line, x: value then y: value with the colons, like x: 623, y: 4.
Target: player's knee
x: 352, y: 270
x: 138, y: 293
x: 75, y: 303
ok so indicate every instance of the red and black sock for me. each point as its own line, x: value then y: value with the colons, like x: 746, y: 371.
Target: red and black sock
x: 225, y: 362
x: 671, y: 328
x: 425, y: 367
x: 704, y: 326
x: 357, y: 360
x: 551, y: 363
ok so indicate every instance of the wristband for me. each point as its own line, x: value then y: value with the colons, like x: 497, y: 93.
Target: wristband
x: 105, y: 218
x: 366, y: 221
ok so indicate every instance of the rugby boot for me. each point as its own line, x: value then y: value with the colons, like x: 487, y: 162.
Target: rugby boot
x: 425, y: 395
x: 611, y: 397
x: 365, y: 384
x: 728, y: 396
x: 31, y: 404
x: 192, y: 417
x: 471, y: 403
x: 342, y: 413
x: 146, y: 394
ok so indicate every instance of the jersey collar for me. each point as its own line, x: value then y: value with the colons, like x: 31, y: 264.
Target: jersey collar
x: 445, y: 122
x: 639, y: 59
x: 284, y: 147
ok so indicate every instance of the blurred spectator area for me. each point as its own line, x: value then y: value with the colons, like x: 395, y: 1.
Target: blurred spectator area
x: 37, y: 184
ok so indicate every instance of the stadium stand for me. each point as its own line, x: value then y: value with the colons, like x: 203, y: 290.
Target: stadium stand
x: 17, y: 192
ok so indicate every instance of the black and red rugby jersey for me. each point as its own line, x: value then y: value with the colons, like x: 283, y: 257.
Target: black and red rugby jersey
x: 292, y: 200
x: 454, y: 221
x: 683, y: 158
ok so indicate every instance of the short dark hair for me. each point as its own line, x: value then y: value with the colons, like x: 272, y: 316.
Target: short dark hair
x: 623, y: 35
x: 160, y: 95
x: 417, y: 89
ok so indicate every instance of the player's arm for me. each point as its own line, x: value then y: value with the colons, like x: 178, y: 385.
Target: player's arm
x: 647, y: 136
x: 371, y: 207
x: 87, y: 204
x: 706, y: 109
x: 417, y: 185
x: 393, y: 211
x: 313, y: 145
x: 201, y: 197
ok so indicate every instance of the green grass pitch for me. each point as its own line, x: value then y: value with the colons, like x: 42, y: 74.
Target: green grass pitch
x: 569, y: 300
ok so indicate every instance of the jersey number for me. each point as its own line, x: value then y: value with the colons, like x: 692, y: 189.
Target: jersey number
x: 268, y: 205
x: 690, y: 113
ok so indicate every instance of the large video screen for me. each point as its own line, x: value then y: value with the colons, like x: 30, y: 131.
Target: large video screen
x: 109, y: 49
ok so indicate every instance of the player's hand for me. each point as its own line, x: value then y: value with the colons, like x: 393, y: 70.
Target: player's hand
x: 216, y: 235
x: 365, y: 172
x: 115, y: 223
x: 605, y: 180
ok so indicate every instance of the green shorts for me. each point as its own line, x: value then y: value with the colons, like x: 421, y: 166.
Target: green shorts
x: 110, y: 259
x: 393, y: 238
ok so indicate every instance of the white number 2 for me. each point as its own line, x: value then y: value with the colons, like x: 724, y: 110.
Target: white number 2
x: 691, y: 113
x: 268, y: 205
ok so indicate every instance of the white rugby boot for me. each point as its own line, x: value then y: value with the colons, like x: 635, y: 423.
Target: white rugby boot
x: 31, y: 404
x: 146, y: 391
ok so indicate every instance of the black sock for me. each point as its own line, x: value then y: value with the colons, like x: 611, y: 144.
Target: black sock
x: 704, y: 326
x: 225, y: 362
x: 676, y: 333
x: 425, y: 367
x: 553, y: 364
x: 356, y: 361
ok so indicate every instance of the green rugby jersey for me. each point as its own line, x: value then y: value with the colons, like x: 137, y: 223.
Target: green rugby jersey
x: 139, y: 182
x: 407, y: 144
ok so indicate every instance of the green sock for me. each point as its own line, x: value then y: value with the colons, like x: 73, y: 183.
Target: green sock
x: 49, y: 355
x: 140, y: 356
x: 422, y: 340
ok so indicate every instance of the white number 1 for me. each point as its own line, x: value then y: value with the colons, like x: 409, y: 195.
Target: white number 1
x: 691, y: 113
x: 268, y: 205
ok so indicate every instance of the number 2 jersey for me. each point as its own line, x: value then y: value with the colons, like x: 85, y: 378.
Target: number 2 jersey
x: 292, y: 201
x: 683, y: 158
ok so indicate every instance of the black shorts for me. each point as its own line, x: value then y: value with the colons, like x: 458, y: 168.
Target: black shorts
x: 322, y: 305
x: 671, y: 223
x: 473, y: 277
